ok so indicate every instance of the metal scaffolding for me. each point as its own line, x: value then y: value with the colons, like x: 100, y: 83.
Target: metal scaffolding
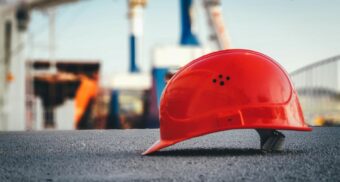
x: 318, y: 88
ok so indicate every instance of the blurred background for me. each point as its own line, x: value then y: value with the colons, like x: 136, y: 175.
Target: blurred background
x: 102, y: 64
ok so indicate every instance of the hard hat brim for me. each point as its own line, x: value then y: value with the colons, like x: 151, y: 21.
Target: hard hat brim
x: 159, y: 144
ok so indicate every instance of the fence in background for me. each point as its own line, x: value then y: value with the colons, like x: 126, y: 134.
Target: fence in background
x: 318, y: 88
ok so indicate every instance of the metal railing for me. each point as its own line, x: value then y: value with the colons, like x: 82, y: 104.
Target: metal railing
x: 318, y: 87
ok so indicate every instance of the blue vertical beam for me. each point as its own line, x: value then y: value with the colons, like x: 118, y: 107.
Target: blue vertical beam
x: 133, y: 66
x: 187, y: 36
x: 136, y: 11
x: 158, y: 84
x: 159, y: 80
x: 114, y: 120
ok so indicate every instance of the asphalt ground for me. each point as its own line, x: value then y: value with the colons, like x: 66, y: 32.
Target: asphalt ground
x: 115, y: 155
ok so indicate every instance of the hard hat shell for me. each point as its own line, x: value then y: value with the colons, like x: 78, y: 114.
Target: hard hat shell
x: 229, y: 89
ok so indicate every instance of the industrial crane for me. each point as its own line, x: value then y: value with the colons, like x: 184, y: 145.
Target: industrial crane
x: 218, y: 33
x: 14, y: 20
x: 190, y: 47
x: 136, y: 11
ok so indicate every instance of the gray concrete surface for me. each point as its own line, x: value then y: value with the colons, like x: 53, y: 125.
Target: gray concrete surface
x: 114, y: 155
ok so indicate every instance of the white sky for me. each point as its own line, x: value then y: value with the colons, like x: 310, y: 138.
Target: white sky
x: 294, y: 32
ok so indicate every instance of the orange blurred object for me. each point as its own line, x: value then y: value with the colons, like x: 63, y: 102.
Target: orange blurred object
x: 87, y: 90
x: 9, y: 77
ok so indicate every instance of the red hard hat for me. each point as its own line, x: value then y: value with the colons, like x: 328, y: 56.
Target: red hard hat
x: 229, y: 89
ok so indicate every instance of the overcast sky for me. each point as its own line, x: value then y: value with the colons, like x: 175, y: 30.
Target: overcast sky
x: 294, y: 32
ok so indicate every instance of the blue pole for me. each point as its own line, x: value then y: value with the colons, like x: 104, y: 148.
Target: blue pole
x: 133, y: 66
x: 187, y: 36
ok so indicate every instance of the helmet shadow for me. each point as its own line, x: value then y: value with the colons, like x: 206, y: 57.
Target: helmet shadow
x: 213, y: 152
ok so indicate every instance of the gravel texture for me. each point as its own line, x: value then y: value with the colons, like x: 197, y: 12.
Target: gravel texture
x: 115, y: 155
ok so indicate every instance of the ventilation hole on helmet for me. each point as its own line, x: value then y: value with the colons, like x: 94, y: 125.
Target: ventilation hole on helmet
x: 214, y: 80
x: 227, y: 78
x: 220, y: 76
x: 221, y: 83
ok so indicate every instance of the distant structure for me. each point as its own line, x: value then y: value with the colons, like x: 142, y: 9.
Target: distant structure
x: 318, y: 88
x: 26, y: 84
x: 15, y: 18
x: 218, y: 32
x: 136, y: 13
